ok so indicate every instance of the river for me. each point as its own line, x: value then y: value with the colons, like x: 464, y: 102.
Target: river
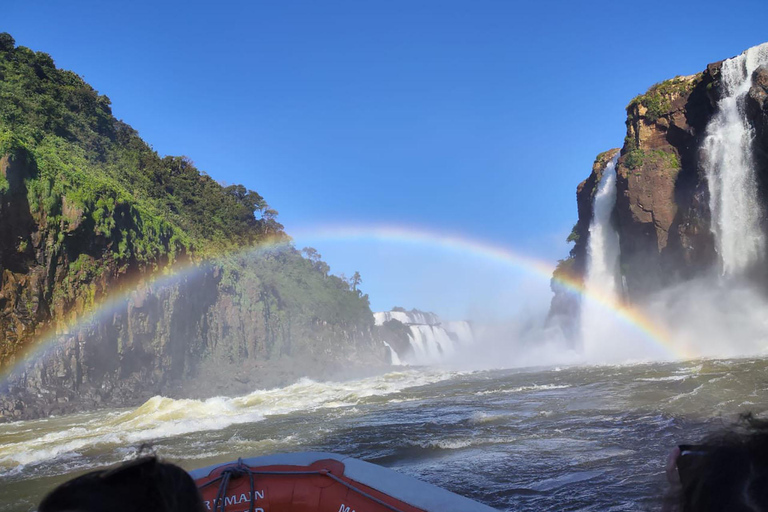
x: 570, y: 438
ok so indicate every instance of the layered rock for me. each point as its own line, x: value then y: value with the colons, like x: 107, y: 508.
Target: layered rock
x: 193, y: 335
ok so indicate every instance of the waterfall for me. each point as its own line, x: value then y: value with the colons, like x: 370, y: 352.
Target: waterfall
x: 460, y: 332
x: 431, y: 340
x: 602, y: 261
x: 729, y: 167
x: 394, y: 359
x: 406, y: 317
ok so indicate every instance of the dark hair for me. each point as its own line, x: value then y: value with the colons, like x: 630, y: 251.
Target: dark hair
x: 728, y: 472
x: 145, y: 484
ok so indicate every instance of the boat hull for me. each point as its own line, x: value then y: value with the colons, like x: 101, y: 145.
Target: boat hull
x: 320, y: 482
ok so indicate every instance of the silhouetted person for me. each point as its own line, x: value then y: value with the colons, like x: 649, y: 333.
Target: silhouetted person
x: 727, y: 472
x: 145, y: 484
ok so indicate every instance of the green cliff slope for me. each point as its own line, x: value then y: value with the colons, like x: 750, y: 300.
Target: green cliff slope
x: 87, y: 209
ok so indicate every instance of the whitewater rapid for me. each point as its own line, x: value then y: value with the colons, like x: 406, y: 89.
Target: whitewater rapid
x: 162, y: 417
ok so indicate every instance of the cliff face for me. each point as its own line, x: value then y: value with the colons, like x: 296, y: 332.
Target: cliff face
x: 193, y: 336
x: 90, y: 213
x: 662, y: 213
x: 662, y: 203
x: 756, y: 107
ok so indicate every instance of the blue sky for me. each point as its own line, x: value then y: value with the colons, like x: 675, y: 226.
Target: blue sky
x: 476, y: 118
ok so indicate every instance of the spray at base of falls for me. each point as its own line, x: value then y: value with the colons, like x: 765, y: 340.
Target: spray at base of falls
x: 431, y: 340
x: 729, y: 167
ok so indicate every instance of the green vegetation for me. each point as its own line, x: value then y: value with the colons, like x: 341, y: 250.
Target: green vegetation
x: 658, y: 99
x: 601, y: 158
x: 101, y: 164
x: 565, y: 269
x: 574, y: 235
x: 637, y: 158
x: 630, y: 144
x: 105, y: 203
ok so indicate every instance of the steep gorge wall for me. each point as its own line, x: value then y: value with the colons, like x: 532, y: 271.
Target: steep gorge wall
x: 662, y: 203
x: 90, y: 214
x: 662, y: 212
x: 232, y: 326
x: 191, y: 337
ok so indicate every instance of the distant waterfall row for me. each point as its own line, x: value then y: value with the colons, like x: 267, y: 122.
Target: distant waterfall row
x: 431, y: 340
x: 729, y: 166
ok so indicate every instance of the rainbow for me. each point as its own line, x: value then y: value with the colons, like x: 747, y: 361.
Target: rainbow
x: 633, y: 317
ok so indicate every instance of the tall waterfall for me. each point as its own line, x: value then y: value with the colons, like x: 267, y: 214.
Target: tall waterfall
x: 602, y: 261
x: 730, y: 169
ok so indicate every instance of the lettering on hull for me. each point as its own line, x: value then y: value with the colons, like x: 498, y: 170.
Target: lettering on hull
x: 236, y: 499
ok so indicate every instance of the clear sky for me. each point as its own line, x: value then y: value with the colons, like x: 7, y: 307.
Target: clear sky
x: 475, y: 117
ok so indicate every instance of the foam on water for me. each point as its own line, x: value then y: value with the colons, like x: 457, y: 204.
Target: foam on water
x: 520, y: 389
x: 162, y: 417
x: 546, y: 429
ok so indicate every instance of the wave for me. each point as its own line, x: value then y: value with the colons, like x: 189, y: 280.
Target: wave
x: 663, y: 379
x: 533, y: 387
x: 162, y: 417
x: 458, y: 444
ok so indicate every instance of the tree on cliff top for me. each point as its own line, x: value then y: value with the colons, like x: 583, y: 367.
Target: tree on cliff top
x: 55, y: 112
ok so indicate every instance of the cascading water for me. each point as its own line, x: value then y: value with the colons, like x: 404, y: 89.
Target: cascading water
x: 431, y: 341
x: 602, y: 263
x: 394, y: 359
x: 729, y: 167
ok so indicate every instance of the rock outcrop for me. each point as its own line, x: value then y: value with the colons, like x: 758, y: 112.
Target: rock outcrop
x: 190, y: 336
x: 662, y: 212
x: 662, y: 202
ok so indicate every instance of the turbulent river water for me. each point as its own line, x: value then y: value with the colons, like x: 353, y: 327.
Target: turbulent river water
x: 572, y: 438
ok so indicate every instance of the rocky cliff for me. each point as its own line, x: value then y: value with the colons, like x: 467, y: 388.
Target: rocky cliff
x: 662, y: 213
x: 116, y: 266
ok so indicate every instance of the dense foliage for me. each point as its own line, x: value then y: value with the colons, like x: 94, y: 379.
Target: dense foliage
x: 102, y: 165
x: 101, y: 203
x: 658, y: 99
x: 661, y: 159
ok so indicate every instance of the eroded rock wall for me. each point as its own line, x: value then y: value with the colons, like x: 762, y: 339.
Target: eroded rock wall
x: 210, y: 329
x: 662, y: 210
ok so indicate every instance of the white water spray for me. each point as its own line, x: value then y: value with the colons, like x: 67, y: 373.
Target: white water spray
x: 728, y: 163
x: 602, y: 265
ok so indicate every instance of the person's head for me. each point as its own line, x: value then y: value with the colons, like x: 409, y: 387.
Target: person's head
x: 727, y: 472
x: 145, y: 484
